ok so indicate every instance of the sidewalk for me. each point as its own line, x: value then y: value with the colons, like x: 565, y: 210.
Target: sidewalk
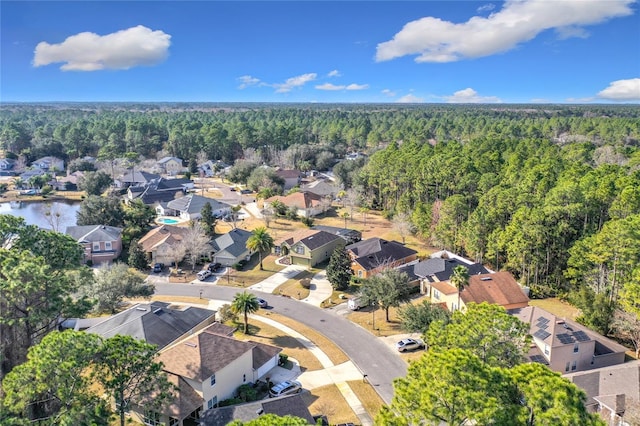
x: 268, y: 285
x: 331, y: 374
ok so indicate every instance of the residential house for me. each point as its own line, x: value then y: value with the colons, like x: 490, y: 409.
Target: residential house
x: 610, y: 390
x: 214, y: 366
x: 290, y: 405
x: 190, y: 206
x: 291, y: 178
x: 7, y: 164
x: 566, y: 346
x: 438, y: 268
x: 355, y: 156
x: 49, y: 164
x: 306, y: 204
x: 350, y: 236
x: 27, y: 175
x: 368, y: 257
x: 68, y: 182
x: 170, y: 165
x: 498, y: 288
x: 307, y: 247
x: 212, y: 168
x: 101, y: 243
x: 231, y: 248
x: 135, y: 178
x: 160, y: 190
x: 157, y: 323
x: 159, y: 243
x: 321, y: 188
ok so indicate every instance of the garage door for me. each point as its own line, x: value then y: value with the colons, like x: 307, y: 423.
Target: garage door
x: 300, y: 261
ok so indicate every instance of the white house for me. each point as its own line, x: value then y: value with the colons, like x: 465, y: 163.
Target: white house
x: 49, y: 164
x: 171, y: 165
x: 190, y: 206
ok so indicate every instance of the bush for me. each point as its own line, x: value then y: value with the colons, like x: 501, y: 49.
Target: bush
x: 306, y: 283
x: 283, y: 358
x: 237, y: 266
x: 230, y: 401
x: 225, y: 313
x: 307, y: 221
x: 247, y: 393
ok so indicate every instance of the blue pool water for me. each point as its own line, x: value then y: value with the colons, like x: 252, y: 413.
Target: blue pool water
x: 167, y: 221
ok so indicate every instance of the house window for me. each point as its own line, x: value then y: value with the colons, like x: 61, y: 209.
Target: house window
x: 576, y: 347
x: 566, y: 367
x: 436, y: 294
x: 151, y: 418
x: 244, y: 378
x: 213, y: 402
x: 574, y: 365
x: 213, y: 379
x: 359, y: 274
x: 546, y: 349
x: 107, y: 245
x: 96, y: 246
x: 298, y: 249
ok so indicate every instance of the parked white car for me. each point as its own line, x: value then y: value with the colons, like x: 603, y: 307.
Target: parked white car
x: 204, y: 274
x: 409, y: 345
x: 285, y: 388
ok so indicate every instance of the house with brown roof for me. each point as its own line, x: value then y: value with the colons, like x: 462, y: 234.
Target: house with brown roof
x: 498, y: 288
x: 307, y: 247
x: 566, y: 346
x: 291, y: 178
x: 371, y: 256
x: 213, y: 365
x: 159, y: 244
x: 289, y: 405
x: 306, y: 203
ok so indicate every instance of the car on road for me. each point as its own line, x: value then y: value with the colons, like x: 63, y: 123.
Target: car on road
x: 409, y: 345
x: 158, y: 267
x: 204, y: 274
x: 263, y: 303
x: 285, y: 388
x: 246, y: 191
x: 232, y: 189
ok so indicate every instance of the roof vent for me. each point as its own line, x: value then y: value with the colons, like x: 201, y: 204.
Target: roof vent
x: 260, y: 412
x: 140, y: 308
x: 190, y: 344
x: 485, y: 279
x: 560, y: 322
x: 157, y: 310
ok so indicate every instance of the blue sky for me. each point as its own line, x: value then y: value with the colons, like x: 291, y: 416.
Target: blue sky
x: 525, y: 51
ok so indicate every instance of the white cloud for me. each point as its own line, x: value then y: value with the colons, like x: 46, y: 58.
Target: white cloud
x: 435, y: 40
x: 470, y: 96
x: 293, y: 82
x: 388, y: 92
x: 486, y: 8
x: 121, y: 50
x: 410, y: 99
x: 247, y: 80
x: 334, y: 73
x: 622, y: 90
x: 353, y: 86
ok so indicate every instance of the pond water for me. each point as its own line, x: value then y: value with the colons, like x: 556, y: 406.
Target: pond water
x: 35, y: 213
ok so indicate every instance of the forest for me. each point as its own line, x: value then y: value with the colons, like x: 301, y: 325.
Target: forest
x: 548, y: 192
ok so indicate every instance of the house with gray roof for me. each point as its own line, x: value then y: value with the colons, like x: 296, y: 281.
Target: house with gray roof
x: 370, y: 256
x: 307, y: 247
x: 7, y: 164
x: 231, y: 248
x: 101, y: 243
x: 160, y: 190
x: 349, y: 235
x: 49, y: 164
x: 156, y: 323
x: 135, y: 178
x: 190, y: 206
x: 171, y: 165
x: 321, y: 188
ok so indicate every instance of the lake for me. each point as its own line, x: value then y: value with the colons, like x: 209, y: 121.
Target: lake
x: 34, y: 213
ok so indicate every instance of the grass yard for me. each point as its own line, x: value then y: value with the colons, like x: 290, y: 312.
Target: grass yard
x: 368, y: 396
x: 293, y: 288
x: 557, y: 307
x: 251, y: 273
x: 328, y: 400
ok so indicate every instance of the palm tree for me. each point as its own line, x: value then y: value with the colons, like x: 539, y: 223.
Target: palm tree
x: 246, y: 303
x: 460, y: 279
x: 260, y: 241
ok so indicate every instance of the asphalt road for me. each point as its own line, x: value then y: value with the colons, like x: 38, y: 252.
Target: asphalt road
x: 372, y: 356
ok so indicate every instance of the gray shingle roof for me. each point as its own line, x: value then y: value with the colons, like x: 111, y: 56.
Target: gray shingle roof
x: 233, y: 242
x: 293, y: 405
x: 94, y: 233
x: 193, y: 203
x: 154, y: 323
x: 374, y: 252
x: 318, y: 239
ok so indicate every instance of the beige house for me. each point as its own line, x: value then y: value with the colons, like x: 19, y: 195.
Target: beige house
x: 208, y: 368
x: 566, y: 346
x: 160, y: 243
x: 171, y: 165
x: 498, y: 288
x: 307, y: 247
x: 101, y: 243
x: 306, y: 204
x: 373, y: 255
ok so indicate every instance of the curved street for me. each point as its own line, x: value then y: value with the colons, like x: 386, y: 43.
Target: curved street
x: 372, y: 356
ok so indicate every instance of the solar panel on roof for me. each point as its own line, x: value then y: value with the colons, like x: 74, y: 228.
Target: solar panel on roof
x: 539, y: 359
x: 543, y: 326
x: 565, y: 338
x: 581, y: 336
x: 541, y: 334
x: 543, y: 320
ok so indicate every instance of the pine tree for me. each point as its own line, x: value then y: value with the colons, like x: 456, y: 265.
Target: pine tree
x: 339, y: 271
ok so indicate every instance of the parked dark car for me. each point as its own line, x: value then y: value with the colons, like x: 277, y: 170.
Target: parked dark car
x: 158, y: 267
x: 213, y: 267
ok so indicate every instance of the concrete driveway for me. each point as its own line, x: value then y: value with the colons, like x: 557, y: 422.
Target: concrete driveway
x: 268, y: 285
